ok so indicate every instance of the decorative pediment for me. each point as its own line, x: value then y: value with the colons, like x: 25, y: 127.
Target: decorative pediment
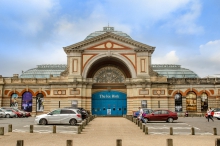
x: 109, y: 44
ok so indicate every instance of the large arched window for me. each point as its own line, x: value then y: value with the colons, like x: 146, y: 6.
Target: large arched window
x: 13, y: 101
x: 178, y: 102
x: 40, y: 102
x: 191, y: 104
x: 204, y: 102
x: 27, y: 102
x: 109, y: 74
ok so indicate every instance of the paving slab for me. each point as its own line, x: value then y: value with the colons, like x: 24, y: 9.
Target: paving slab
x: 104, y: 131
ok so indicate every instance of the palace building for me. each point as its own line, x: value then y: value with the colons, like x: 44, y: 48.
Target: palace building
x: 110, y: 74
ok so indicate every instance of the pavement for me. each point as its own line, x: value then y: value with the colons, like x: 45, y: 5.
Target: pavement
x: 104, y: 131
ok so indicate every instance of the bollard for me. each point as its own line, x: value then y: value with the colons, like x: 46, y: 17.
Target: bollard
x: 169, y: 142
x: 140, y: 124
x: 171, y: 130
x: 217, y: 142
x: 78, y: 130
x: 1, y: 130
x: 10, y: 128
x: 143, y: 127
x: 31, y: 128
x: 214, y: 131
x: 54, y: 128
x: 146, y: 130
x: 69, y: 143
x: 118, y: 142
x: 81, y: 127
x: 20, y: 142
x: 193, y: 131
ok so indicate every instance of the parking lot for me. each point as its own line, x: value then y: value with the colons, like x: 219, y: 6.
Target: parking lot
x: 180, y: 127
x: 108, y: 129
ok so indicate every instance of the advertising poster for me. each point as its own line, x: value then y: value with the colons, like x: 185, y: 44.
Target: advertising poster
x: 14, y: 102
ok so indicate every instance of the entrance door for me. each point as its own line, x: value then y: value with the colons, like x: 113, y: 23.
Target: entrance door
x: 109, y: 103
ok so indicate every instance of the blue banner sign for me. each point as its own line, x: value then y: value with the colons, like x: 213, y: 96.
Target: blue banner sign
x: 109, y: 95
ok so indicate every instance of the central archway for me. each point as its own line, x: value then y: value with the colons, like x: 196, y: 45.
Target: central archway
x: 109, y: 103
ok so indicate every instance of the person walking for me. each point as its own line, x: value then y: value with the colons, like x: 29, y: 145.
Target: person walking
x: 209, y: 113
x: 140, y: 113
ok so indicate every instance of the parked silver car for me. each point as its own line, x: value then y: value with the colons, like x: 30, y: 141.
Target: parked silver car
x: 60, y: 116
x: 2, y: 114
x: 9, y: 113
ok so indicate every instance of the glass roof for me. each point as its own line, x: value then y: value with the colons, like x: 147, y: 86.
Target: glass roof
x: 168, y: 70
x: 107, y: 29
x: 173, y: 71
x: 44, y: 71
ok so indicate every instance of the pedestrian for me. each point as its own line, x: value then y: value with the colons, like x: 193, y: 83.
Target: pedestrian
x: 140, y: 113
x: 209, y: 113
x: 186, y: 114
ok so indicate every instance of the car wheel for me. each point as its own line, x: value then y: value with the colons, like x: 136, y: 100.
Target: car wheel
x: 170, y: 120
x: 218, y: 118
x: 73, y: 122
x: 146, y: 120
x: 7, y: 116
x: 43, y: 122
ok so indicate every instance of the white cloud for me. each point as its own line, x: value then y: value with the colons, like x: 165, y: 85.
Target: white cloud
x: 169, y: 58
x: 186, y: 23
x: 211, y: 51
x: 207, y: 62
x: 28, y: 16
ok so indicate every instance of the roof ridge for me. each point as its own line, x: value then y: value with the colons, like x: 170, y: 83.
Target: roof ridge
x: 105, y: 35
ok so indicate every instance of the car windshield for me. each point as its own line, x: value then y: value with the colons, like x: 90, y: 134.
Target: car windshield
x: 216, y: 110
x: 55, y: 112
x: 148, y: 111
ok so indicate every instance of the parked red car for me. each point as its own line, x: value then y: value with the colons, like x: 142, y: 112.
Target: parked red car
x: 18, y: 114
x: 161, y: 115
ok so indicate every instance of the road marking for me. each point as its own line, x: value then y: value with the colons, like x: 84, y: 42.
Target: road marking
x: 42, y: 131
x: 172, y: 127
x: 69, y: 132
x: 178, y: 133
x: 18, y: 130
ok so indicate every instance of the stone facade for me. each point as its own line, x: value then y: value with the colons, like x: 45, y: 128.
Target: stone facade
x: 139, y: 82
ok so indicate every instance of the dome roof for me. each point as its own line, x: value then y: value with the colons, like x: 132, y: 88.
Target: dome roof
x: 44, y: 71
x: 107, y: 29
x: 173, y: 71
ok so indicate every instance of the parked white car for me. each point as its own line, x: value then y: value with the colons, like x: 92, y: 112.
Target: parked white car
x: 9, y: 113
x: 216, y: 113
x: 2, y: 114
x: 60, y: 116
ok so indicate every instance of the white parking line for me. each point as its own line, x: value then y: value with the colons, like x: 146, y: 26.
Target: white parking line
x: 178, y: 133
x: 172, y: 127
x: 18, y: 130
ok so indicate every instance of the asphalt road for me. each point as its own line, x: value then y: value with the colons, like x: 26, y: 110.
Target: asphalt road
x: 180, y: 127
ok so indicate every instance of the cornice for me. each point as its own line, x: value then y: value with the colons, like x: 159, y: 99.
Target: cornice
x: 140, y: 46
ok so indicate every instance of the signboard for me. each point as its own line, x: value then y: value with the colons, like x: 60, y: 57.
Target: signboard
x: 108, y: 111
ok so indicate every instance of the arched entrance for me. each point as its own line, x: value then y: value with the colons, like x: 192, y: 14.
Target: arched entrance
x: 109, y: 103
x: 109, y: 96
x: 27, y: 102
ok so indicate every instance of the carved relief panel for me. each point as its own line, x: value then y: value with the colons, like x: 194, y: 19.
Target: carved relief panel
x: 109, y: 74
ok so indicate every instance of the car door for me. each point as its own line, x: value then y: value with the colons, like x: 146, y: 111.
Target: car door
x: 54, y: 117
x: 164, y: 115
x: 155, y: 116
x: 65, y: 116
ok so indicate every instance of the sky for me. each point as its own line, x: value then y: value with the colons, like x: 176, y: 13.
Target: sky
x: 184, y: 32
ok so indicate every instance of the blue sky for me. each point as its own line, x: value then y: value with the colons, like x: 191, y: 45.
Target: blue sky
x: 184, y: 32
